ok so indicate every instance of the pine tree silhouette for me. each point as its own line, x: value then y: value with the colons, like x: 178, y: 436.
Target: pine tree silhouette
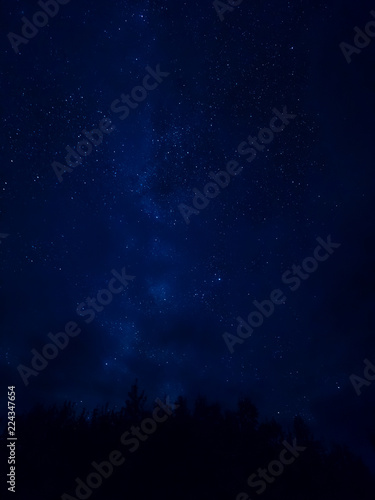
x: 135, y: 404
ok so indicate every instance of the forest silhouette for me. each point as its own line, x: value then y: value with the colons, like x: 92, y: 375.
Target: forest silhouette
x: 200, y: 453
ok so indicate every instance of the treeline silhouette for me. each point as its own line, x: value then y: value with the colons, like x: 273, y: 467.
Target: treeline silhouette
x: 199, y: 453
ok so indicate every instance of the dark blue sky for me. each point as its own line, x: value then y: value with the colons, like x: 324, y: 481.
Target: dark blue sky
x: 119, y: 207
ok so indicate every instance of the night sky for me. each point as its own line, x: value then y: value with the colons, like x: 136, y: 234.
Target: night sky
x: 63, y: 242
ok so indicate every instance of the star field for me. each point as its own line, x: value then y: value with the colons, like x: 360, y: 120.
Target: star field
x: 119, y: 207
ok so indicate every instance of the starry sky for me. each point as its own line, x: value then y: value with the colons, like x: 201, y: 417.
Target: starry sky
x: 120, y: 207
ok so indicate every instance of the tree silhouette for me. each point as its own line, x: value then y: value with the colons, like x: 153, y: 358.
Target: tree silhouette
x: 135, y: 403
x: 190, y: 455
